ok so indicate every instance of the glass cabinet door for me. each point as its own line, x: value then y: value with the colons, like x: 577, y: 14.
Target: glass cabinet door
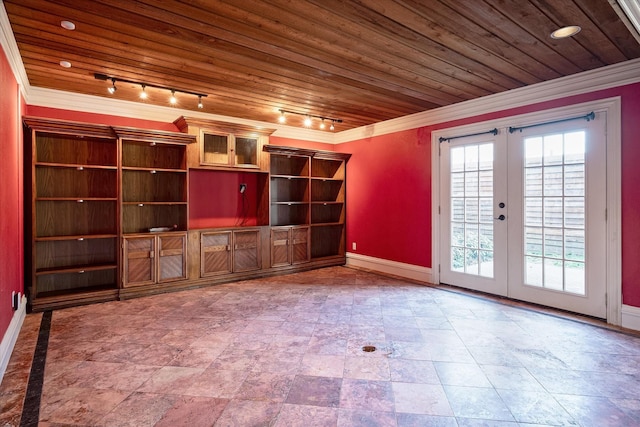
x: 246, y: 151
x: 215, y: 149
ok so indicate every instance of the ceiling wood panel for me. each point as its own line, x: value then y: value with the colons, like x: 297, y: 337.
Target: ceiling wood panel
x: 363, y: 61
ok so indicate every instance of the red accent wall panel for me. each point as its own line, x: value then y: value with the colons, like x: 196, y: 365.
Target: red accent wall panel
x: 104, y: 119
x: 389, y: 196
x: 215, y: 199
x: 11, y: 218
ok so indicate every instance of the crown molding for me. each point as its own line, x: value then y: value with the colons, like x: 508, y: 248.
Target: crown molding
x: 52, y: 98
x: 12, y: 53
x: 629, y: 12
x: 620, y: 74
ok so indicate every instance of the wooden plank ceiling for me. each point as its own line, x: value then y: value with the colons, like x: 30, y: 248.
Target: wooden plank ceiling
x: 362, y: 61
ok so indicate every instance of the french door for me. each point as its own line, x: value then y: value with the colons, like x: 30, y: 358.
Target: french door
x: 524, y: 214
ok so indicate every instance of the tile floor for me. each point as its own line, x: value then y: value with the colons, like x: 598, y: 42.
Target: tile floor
x: 288, y: 351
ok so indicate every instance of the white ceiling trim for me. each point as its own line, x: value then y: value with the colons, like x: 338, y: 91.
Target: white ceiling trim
x: 631, y: 11
x: 12, y: 53
x: 620, y: 74
x: 52, y: 98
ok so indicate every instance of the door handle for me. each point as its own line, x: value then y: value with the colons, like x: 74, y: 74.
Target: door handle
x: 501, y: 218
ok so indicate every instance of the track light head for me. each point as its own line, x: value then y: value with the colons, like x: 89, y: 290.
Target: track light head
x: 173, y: 99
x: 308, y: 122
x: 112, y: 89
x: 200, y: 105
x: 143, y: 93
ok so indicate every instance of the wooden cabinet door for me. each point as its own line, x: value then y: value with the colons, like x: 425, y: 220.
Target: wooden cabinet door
x: 300, y: 245
x: 139, y: 261
x: 215, y: 253
x: 246, y: 250
x: 280, y: 254
x: 172, y: 259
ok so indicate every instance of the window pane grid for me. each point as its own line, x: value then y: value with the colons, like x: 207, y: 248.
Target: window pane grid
x: 472, y: 209
x: 554, y: 216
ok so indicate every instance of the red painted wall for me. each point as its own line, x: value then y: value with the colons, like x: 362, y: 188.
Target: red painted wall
x: 389, y: 188
x: 215, y: 199
x: 389, y: 196
x: 103, y: 119
x: 288, y: 142
x: 11, y: 185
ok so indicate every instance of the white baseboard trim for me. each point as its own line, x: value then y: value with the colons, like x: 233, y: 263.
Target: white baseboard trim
x: 630, y: 317
x: 400, y: 269
x: 11, y: 336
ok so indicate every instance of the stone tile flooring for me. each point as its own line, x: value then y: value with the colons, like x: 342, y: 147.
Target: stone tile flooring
x: 288, y: 351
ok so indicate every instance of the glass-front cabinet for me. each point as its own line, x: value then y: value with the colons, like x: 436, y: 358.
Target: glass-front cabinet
x: 226, y: 146
x: 218, y: 149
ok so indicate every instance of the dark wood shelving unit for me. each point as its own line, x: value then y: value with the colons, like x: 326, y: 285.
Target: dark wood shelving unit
x: 155, y: 207
x: 109, y: 209
x: 307, y: 205
x: 72, y: 203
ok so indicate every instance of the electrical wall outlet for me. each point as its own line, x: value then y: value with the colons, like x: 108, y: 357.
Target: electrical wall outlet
x: 353, y: 246
x: 243, y: 188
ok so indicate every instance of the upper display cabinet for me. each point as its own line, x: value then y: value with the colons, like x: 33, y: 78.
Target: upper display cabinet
x: 225, y: 146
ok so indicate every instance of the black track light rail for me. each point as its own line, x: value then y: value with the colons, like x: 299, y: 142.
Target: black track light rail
x: 114, y: 79
x: 313, y: 116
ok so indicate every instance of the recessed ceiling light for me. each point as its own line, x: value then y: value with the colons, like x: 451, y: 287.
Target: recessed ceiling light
x: 565, y: 32
x: 68, y: 25
x: 65, y: 64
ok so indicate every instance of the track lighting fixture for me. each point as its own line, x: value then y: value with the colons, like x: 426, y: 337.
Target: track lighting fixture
x: 308, y: 122
x: 143, y: 94
x: 112, y: 89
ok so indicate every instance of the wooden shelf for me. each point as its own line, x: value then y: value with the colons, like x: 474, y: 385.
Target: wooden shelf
x: 76, y: 166
x: 79, y: 237
x: 76, y: 269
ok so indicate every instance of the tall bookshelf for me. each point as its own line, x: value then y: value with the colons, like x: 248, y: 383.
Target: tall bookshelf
x: 154, y: 206
x: 308, y: 205
x: 73, y: 210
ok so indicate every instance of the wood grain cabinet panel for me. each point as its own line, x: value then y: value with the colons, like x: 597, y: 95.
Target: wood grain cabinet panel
x: 152, y: 259
x: 289, y: 245
x: 246, y: 250
x: 215, y: 253
x: 229, y: 251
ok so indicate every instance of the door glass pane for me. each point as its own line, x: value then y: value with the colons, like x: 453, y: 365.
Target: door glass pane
x: 472, y: 209
x: 554, y: 234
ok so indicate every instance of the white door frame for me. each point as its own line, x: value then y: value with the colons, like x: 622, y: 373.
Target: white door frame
x: 612, y: 106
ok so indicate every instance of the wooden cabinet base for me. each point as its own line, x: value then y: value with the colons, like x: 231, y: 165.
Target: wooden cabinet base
x: 141, y: 291
x: 50, y: 302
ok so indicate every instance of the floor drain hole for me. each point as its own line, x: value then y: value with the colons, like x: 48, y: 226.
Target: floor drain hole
x: 369, y: 348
